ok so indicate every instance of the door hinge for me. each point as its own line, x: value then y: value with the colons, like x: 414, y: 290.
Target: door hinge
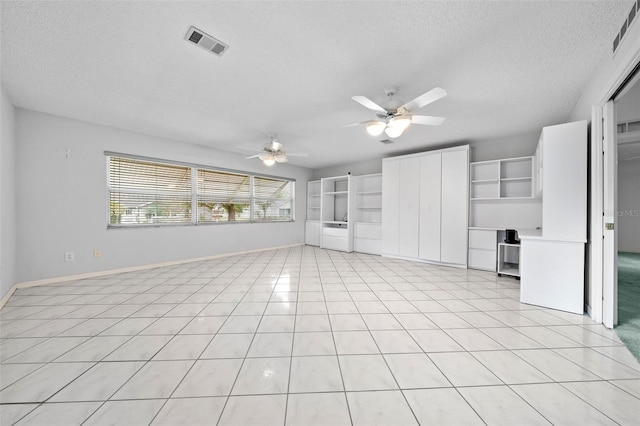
x: 609, y: 226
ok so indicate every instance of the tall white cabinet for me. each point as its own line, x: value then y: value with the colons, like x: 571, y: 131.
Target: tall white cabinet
x: 312, y: 224
x: 425, y: 206
x: 367, y: 213
x: 552, y: 260
x: 336, y: 213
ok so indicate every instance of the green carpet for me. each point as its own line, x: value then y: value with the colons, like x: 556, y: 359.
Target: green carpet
x: 628, y: 328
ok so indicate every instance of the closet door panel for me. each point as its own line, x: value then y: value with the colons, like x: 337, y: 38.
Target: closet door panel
x: 455, y: 170
x: 430, y: 193
x: 390, y: 208
x: 409, y: 205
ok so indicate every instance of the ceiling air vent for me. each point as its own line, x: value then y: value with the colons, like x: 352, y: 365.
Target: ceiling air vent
x: 635, y: 8
x: 205, y: 41
x: 386, y: 141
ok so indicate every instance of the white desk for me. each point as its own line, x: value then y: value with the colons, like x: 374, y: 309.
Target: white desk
x: 552, y: 271
x: 483, y: 246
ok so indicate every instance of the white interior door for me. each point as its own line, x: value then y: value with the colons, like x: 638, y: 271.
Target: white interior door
x: 455, y: 178
x: 390, y: 208
x: 430, y: 205
x: 610, y: 246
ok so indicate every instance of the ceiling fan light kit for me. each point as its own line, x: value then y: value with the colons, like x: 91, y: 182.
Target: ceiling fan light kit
x: 375, y: 128
x: 273, y: 153
x: 393, y: 132
x: 394, y: 118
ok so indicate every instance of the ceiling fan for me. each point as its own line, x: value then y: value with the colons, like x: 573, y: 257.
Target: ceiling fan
x: 393, y: 117
x: 273, y: 152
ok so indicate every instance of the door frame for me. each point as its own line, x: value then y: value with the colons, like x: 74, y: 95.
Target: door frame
x: 603, y: 297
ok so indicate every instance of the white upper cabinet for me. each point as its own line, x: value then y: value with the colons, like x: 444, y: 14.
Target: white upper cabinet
x: 564, y: 187
x: 409, y: 205
x: 390, y: 207
x: 454, y: 207
x: 430, y: 206
x: 425, y: 206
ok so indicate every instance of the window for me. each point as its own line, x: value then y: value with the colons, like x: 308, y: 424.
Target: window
x: 273, y: 199
x: 223, y: 196
x: 146, y: 192
x: 141, y: 192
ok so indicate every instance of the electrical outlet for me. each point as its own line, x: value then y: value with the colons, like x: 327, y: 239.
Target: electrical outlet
x: 97, y: 253
x: 69, y: 256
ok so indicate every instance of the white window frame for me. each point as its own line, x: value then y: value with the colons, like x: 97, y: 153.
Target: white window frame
x: 195, y: 194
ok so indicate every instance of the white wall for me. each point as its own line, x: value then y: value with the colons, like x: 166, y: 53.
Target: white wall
x: 629, y: 206
x: 356, y: 169
x: 63, y: 202
x: 513, y: 146
x: 609, y: 74
x: 7, y: 195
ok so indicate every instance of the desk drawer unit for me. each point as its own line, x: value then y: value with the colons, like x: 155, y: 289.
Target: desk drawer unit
x: 482, y: 249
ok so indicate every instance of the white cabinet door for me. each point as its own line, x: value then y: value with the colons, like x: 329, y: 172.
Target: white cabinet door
x: 455, y: 171
x: 390, y: 208
x: 430, y: 187
x: 552, y: 274
x: 312, y: 232
x: 564, y: 206
x: 409, y: 205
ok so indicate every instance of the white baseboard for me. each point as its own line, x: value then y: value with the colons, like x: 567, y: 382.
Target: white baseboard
x: 55, y: 280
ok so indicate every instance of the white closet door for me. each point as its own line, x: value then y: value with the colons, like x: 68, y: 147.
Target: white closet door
x: 390, y: 208
x: 409, y: 206
x: 455, y: 170
x: 430, y: 188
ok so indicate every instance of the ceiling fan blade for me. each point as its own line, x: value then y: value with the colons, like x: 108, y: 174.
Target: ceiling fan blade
x: 357, y: 124
x: 425, y: 99
x: 368, y: 103
x: 253, y: 156
x: 427, y: 120
x: 248, y: 148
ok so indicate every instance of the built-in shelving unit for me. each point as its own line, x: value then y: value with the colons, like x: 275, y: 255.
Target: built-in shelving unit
x: 368, y: 213
x: 503, y: 195
x: 509, y: 259
x: 335, y: 213
x: 312, y: 224
x: 511, y: 178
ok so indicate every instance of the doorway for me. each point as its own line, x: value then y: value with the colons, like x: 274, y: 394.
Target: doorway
x: 627, y: 114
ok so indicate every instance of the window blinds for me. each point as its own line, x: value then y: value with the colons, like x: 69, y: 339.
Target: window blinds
x: 142, y: 192
x: 145, y: 192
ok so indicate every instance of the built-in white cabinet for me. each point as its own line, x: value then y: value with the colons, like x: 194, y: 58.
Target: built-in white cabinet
x: 367, y: 228
x: 425, y: 205
x: 336, y: 213
x: 312, y: 232
x: 312, y: 224
x: 455, y: 207
x: 510, y: 178
x: 502, y: 196
x: 552, y: 260
x: 482, y: 249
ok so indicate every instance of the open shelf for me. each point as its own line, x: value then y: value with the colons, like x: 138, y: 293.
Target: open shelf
x: 368, y: 214
x: 510, y: 178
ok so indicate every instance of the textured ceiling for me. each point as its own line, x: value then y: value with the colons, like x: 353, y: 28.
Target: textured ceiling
x: 292, y: 67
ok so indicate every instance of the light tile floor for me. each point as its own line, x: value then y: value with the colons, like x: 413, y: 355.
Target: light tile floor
x: 306, y: 336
